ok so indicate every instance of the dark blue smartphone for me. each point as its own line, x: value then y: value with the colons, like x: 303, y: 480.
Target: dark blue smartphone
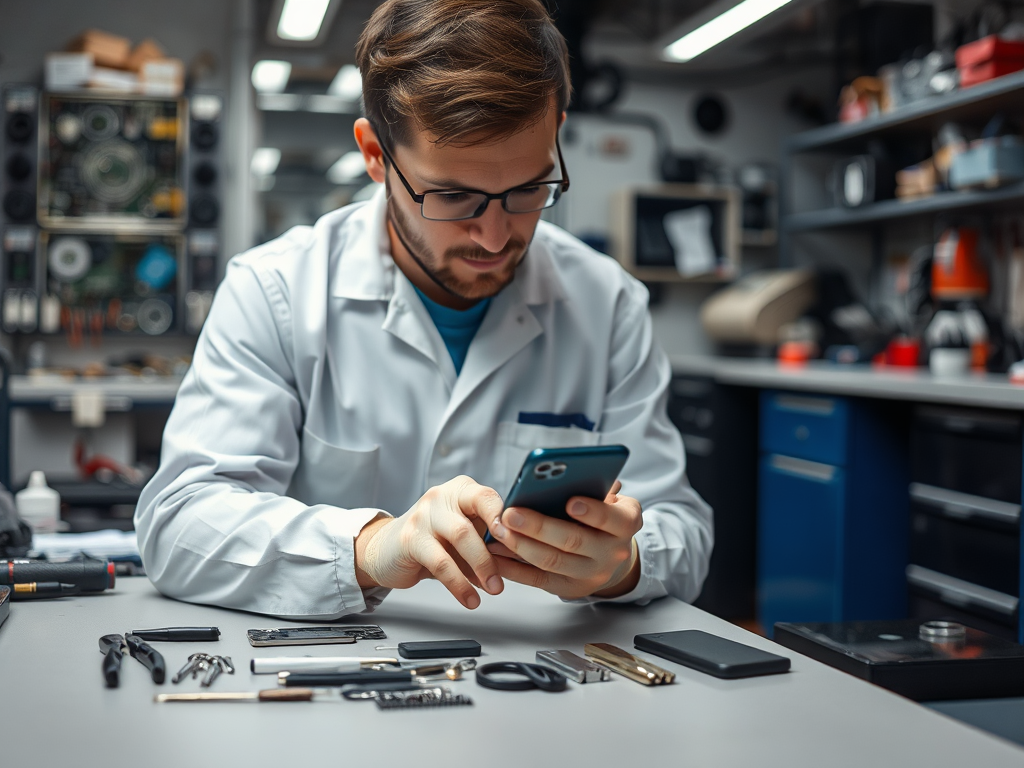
x: 551, y: 476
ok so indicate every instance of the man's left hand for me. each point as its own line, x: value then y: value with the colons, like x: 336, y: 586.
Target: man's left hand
x: 595, y: 556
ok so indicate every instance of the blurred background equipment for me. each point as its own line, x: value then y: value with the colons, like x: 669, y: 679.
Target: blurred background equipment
x: 756, y: 307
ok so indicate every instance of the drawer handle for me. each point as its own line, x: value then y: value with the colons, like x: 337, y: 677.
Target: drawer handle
x: 812, y: 470
x: 963, y: 506
x: 818, y: 406
x: 961, y: 593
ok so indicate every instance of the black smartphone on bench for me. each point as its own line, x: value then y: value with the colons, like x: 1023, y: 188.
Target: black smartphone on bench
x: 551, y: 476
x: 711, y: 654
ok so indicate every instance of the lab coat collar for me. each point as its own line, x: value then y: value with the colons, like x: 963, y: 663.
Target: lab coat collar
x: 365, y: 270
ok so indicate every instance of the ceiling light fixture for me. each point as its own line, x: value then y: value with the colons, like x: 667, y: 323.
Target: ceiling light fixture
x: 721, y: 28
x: 301, y: 19
x: 265, y: 161
x: 269, y: 76
x: 348, y: 83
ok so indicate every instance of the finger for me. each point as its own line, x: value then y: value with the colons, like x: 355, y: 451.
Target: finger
x: 463, y: 537
x: 501, y: 551
x: 612, y: 496
x: 523, y: 573
x: 621, y: 519
x: 442, y: 567
x: 546, y: 557
x: 565, y: 535
x: 478, y: 501
x: 463, y: 565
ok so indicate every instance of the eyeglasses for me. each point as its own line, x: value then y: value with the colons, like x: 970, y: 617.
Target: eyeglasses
x: 462, y: 204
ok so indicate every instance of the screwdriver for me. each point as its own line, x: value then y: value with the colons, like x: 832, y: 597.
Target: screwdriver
x: 43, y: 590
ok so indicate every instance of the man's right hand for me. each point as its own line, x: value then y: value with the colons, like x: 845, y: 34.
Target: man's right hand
x: 441, y: 536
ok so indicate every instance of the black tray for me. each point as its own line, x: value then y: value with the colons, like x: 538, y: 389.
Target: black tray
x: 893, y: 655
x: 5, y: 603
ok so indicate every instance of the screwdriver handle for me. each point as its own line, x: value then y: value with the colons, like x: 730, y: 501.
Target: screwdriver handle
x: 287, y: 694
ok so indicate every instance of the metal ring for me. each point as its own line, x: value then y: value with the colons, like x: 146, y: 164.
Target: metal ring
x: 533, y: 676
x: 942, y: 630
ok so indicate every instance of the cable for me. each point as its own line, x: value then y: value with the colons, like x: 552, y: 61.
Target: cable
x: 532, y: 676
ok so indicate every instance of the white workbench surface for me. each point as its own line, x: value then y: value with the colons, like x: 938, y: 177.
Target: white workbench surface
x: 986, y: 390
x: 56, y: 711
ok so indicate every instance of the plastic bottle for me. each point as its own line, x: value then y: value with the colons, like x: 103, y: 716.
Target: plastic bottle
x: 38, y: 504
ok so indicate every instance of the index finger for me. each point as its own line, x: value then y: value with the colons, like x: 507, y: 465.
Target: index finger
x: 479, y: 501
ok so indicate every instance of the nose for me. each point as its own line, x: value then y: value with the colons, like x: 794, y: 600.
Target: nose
x: 492, y: 230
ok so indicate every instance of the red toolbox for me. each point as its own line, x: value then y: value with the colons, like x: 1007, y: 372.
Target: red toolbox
x: 988, y: 58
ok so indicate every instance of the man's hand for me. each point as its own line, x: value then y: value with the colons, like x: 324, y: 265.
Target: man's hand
x: 440, y: 537
x: 596, y: 556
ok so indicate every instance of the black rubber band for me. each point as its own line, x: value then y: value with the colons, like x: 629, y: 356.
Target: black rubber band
x: 533, y: 676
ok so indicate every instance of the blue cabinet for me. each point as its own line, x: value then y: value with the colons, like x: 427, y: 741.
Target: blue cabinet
x: 832, y: 510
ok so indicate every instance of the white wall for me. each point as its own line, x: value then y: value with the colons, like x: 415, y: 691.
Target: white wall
x: 758, y: 125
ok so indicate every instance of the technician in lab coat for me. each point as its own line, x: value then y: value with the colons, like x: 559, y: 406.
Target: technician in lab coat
x: 366, y: 388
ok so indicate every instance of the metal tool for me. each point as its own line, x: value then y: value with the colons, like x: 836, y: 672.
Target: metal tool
x: 626, y: 664
x: 148, y: 656
x: 574, y: 667
x: 210, y: 667
x: 428, y: 697
x: 318, y: 665
x: 272, y: 694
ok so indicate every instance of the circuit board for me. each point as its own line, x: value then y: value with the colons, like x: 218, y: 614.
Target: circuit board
x: 112, y: 162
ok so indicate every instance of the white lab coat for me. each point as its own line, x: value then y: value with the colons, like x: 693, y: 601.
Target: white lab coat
x: 321, y: 393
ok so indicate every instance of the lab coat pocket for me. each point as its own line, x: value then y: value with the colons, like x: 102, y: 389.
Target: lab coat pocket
x: 516, y: 441
x: 329, y: 474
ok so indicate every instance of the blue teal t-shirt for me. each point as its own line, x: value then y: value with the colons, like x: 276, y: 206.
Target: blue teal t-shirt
x: 456, y: 326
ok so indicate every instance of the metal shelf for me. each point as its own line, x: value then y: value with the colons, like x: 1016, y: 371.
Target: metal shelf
x: 977, y: 103
x: 890, y: 210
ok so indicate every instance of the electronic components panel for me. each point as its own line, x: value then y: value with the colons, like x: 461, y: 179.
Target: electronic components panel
x: 114, y: 163
x: 110, y: 283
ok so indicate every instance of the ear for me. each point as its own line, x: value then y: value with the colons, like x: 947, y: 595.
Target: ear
x: 369, y: 145
x: 561, y: 120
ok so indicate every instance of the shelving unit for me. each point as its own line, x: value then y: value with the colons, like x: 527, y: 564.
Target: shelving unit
x: 972, y: 106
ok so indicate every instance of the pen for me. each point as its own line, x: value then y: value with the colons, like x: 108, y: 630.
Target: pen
x: 178, y: 634
x: 41, y: 590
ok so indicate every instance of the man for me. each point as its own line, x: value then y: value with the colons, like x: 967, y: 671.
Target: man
x: 365, y: 389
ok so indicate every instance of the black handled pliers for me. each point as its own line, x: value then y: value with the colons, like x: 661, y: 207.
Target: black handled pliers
x: 113, y: 648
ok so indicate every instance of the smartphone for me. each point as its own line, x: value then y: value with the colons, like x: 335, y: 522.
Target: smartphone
x: 711, y: 654
x: 315, y: 635
x: 551, y: 476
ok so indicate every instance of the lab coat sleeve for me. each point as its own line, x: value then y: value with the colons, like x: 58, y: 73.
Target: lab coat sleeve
x: 676, y: 539
x: 214, y: 525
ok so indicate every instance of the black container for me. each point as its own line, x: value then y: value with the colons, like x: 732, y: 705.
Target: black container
x: 895, y: 656
x: 985, y: 554
x: 968, y: 450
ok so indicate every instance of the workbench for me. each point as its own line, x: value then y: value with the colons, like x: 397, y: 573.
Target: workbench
x: 56, y: 710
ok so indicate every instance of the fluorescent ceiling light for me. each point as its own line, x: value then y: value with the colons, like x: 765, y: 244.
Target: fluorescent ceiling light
x: 348, y: 83
x: 349, y: 167
x: 301, y: 19
x: 279, y: 102
x: 265, y: 161
x: 721, y: 28
x: 269, y: 76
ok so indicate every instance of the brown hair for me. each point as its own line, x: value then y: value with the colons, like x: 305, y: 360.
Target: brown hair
x: 465, y: 71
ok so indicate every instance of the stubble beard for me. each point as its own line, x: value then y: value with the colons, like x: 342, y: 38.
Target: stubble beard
x: 485, y: 285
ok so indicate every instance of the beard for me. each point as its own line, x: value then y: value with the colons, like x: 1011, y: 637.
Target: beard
x: 439, y: 270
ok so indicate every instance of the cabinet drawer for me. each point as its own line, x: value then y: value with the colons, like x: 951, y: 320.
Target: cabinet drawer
x: 972, y: 451
x: 799, y: 542
x: 981, y: 554
x: 963, y: 595
x: 805, y: 426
